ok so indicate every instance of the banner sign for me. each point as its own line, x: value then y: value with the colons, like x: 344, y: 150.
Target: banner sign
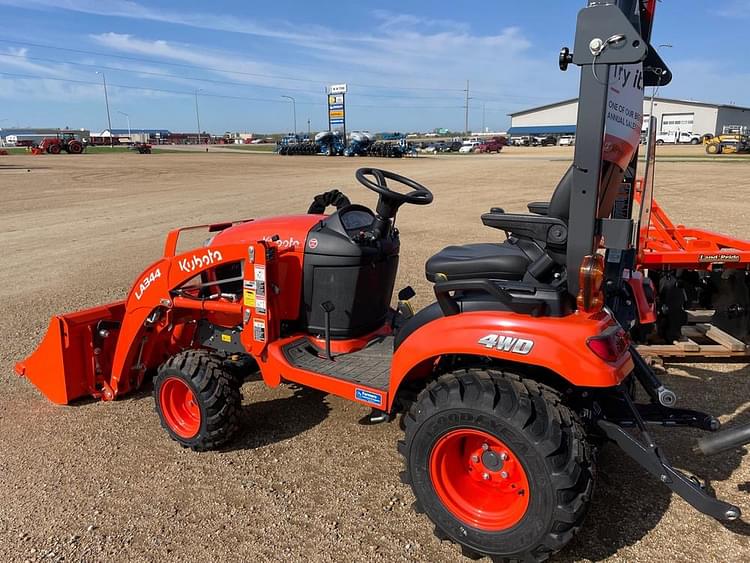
x: 622, y: 132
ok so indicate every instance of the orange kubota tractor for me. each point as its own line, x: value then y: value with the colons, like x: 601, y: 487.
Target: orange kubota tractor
x: 55, y: 145
x: 507, y: 383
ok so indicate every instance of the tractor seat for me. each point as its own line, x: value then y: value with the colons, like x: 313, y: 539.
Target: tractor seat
x: 503, y: 261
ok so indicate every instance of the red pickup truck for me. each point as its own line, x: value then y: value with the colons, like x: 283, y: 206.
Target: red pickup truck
x: 495, y: 144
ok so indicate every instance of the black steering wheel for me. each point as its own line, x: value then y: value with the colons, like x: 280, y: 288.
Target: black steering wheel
x: 418, y: 196
x: 389, y: 200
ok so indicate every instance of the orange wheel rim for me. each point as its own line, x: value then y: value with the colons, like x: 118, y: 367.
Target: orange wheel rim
x: 179, y: 407
x: 479, y: 479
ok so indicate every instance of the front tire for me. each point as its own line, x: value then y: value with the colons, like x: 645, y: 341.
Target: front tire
x: 498, y: 464
x: 197, y: 400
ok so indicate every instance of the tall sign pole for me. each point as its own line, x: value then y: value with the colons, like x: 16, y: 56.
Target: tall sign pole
x: 337, y: 109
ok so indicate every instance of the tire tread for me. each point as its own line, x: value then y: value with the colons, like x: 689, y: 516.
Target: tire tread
x: 539, y: 412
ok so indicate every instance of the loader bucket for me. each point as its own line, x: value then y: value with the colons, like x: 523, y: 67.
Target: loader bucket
x: 75, y: 357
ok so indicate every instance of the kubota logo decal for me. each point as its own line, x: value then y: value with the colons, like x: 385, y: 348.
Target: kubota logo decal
x: 507, y: 343
x: 201, y: 261
x: 291, y: 242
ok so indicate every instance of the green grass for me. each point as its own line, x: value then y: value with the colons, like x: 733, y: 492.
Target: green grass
x: 265, y: 147
x: 106, y: 150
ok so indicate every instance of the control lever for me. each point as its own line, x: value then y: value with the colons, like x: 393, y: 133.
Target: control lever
x: 328, y: 308
x: 405, y: 310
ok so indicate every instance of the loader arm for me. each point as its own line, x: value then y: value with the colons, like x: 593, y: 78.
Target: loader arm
x: 106, y: 351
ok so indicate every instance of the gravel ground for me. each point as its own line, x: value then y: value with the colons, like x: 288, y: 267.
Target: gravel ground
x: 101, y: 481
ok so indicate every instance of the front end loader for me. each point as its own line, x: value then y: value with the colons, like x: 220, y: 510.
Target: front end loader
x: 507, y: 384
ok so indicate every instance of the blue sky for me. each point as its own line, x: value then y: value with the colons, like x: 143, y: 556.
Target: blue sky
x: 406, y: 62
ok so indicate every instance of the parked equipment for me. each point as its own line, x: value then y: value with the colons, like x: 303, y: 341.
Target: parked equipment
x: 141, y: 148
x: 388, y: 149
x: 330, y: 143
x: 733, y: 139
x: 359, y: 143
x: 699, y: 286
x: 56, y: 145
x: 507, y: 383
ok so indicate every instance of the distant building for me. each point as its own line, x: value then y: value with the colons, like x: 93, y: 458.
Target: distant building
x: 28, y: 136
x: 153, y: 136
x: 671, y: 114
x: 237, y: 137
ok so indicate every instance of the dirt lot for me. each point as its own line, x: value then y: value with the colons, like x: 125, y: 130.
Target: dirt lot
x: 101, y: 481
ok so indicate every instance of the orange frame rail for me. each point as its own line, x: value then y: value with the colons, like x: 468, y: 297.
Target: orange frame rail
x: 664, y: 245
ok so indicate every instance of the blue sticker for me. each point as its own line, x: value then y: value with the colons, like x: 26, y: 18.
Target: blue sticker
x: 368, y: 397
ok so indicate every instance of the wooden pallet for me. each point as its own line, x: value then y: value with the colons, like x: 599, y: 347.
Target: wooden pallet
x: 722, y: 346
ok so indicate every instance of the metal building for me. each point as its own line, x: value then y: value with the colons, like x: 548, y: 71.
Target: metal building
x: 25, y: 136
x: 672, y: 115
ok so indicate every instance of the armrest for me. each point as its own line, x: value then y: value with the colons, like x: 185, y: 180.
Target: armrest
x: 542, y: 228
x: 538, y: 207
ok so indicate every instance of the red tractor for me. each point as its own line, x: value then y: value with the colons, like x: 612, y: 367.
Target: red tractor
x: 506, y: 384
x: 56, y: 145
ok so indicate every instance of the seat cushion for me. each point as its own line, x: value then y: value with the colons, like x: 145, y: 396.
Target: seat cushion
x: 503, y: 261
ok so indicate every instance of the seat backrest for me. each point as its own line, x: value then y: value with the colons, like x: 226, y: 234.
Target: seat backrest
x: 559, y: 205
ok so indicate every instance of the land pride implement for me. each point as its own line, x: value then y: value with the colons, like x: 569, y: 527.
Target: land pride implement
x: 507, y: 383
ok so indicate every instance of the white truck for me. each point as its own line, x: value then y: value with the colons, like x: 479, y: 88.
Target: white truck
x: 678, y: 137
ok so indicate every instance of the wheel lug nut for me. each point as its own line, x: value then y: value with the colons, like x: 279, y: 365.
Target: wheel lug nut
x: 504, y: 474
x: 475, y: 458
x: 485, y: 446
x: 485, y: 476
x: 504, y: 456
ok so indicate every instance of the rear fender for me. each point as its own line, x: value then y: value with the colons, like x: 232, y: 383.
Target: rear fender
x: 555, y: 343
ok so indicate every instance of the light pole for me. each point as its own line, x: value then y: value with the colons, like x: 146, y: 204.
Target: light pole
x: 127, y: 116
x: 294, y: 112
x: 466, y: 109
x: 197, y: 115
x: 308, y: 127
x: 106, y: 102
x: 483, y: 108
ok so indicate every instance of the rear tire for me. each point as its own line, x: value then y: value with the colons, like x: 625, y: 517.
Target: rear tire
x: 75, y: 147
x: 198, y: 401
x: 540, y: 488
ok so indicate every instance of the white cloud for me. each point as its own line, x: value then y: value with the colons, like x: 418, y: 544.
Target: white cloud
x: 734, y: 9
x: 402, y: 50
